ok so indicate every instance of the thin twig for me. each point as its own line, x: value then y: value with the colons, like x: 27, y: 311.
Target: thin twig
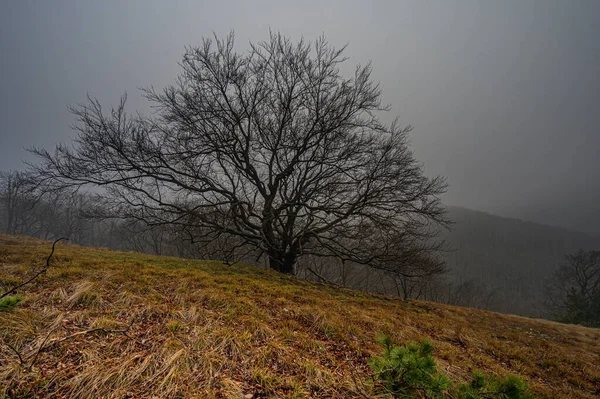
x: 51, y: 253
x: 43, y: 270
x: 359, y: 389
x: 93, y: 330
x: 40, y: 349
x: 43, y: 346
x: 17, y: 352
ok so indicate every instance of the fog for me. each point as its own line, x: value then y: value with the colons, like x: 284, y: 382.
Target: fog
x: 503, y: 95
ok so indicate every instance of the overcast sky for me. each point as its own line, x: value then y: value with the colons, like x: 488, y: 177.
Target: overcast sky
x: 504, y: 95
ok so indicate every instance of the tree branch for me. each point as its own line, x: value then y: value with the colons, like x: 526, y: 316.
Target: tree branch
x: 42, y: 271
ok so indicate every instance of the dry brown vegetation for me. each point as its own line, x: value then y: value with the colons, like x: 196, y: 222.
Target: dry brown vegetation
x: 202, y: 329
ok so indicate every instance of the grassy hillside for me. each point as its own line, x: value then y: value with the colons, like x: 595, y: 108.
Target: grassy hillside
x: 205, y: 330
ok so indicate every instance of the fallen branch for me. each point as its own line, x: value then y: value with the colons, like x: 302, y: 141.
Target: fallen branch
x: 18, y: 354
x: 43, y: 346
x: 42, y: 271
x: 39, y: 349
x: 359, y: 389
x: 123, y: 331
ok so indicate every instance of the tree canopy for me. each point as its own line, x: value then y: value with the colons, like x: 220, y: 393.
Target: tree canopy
x: 270, y: 148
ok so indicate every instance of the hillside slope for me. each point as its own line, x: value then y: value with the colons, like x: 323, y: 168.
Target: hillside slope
x: 200, y: 329
x: 512, y: 257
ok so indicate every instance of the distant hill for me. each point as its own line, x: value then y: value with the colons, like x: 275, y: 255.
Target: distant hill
x: 512, y: 258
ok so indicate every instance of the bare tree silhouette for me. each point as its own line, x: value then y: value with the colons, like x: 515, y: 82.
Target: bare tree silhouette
x: 271, y: 148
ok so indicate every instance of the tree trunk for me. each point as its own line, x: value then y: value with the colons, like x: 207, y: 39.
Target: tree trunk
x: 283, y: 263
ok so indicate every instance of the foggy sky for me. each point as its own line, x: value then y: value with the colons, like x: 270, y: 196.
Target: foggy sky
x: 504, y: 95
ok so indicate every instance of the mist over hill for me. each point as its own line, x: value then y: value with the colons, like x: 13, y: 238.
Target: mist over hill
x: 509, y: 258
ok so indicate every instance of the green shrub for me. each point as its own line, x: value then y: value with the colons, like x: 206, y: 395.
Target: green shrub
x: 9, y: 302
x: 409, y: 371
x: 480, y: 387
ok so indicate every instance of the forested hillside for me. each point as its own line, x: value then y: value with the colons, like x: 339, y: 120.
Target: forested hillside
x: 509, y: 259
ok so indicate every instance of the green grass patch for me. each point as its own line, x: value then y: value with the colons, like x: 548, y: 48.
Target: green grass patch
x: 9, y: 302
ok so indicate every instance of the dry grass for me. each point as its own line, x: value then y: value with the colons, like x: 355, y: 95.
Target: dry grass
x: 207, y: 330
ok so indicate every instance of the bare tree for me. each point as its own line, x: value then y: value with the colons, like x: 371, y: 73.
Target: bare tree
x: 16, y: 201
x: 272, y: 148
x: 573, y: 292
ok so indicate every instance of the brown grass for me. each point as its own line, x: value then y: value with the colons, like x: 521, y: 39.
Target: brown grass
x: 206, y: 330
